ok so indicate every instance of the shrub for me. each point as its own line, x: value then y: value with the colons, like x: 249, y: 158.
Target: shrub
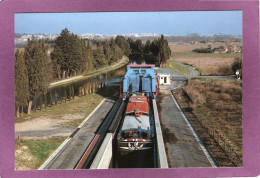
x: 237, y: 64
x: 203, y: 50
x: 225, y: 70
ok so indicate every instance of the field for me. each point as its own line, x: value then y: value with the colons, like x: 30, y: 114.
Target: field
x: 206, y: 63
x: 188, y: 47
x: 217, y: 105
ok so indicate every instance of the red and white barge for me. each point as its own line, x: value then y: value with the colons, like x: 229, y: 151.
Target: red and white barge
x: 135, y: 132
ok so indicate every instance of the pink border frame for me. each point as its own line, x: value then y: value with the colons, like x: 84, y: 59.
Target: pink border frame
x: 251, y: 88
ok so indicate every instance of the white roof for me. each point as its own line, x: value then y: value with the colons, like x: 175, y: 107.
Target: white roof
x: 130, y: 122
x: 164, y: 75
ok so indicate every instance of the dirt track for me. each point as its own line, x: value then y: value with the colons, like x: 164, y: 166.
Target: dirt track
x: 46, y: 126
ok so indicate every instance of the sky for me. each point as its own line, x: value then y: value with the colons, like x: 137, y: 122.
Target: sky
x: 112, y: 23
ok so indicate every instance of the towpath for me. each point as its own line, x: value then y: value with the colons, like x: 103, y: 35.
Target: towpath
x: 182, y: 146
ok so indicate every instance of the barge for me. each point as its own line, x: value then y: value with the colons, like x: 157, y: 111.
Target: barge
x: 140, y: 85
x: 135, y: 133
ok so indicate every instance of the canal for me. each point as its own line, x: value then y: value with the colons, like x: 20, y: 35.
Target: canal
x: 102, y: 84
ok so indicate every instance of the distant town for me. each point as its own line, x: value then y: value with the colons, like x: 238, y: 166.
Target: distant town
x: 21, y: 38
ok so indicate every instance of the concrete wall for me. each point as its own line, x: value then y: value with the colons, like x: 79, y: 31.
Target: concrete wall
x: 104, y: 155
x: 161, y: 154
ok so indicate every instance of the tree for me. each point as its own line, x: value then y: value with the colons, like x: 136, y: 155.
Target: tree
x: 21, y: 82
x: 108, y: 52
x: 99, y: 58
x: 154, y: 47
x: 38, y: 70
x: 123, y: 44
x: 89, y: 58
x: 59, y: 54
x: 139, y: 45
x: 69, y: 53
x: 57, y: 60
x: 76, y: 55
x: 164, y: 50
x: 147, y: 46
x: 117, y: 53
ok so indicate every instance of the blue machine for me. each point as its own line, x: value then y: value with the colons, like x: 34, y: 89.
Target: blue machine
x: 140, y: 78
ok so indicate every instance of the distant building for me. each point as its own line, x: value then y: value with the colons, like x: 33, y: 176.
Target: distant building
x: 220, y: 50
x: 238, y: 49
x: 164, y: 79
x: 234, y: 49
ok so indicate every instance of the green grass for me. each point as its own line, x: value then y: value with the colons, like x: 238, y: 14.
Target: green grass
x: 201, y: 55
x: 84, y: 105
x: 176, y: 67
x: 39, y: 150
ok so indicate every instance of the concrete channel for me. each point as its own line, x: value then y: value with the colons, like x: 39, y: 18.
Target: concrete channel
x: 69, y: 156
x: 90, y: 154
x: 90, y: 146
x: 104, y: 156
x: 72, y: 152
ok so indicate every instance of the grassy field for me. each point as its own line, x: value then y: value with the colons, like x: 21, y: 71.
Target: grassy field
x: 206, y: 63
x: 218, y: 104
x: 84, y: 105
x: 188, y: 47
x: 204, y: 55
x: 176, y: 67
x: 30, y: 154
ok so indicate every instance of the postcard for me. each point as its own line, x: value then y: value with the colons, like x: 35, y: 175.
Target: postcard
x: 168, y: 89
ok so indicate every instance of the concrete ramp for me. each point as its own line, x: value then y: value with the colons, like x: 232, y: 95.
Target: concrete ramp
x: 104, y: 155
x: 161, y: 154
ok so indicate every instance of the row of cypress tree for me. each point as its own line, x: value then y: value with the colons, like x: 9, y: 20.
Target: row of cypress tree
x: 32, y: 74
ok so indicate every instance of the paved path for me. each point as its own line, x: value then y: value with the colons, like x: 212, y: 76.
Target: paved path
x: 219, y: 77
x: 192, y: 72
x: 168, y: 71
x: 182, y: 147
x: 72, y: 153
